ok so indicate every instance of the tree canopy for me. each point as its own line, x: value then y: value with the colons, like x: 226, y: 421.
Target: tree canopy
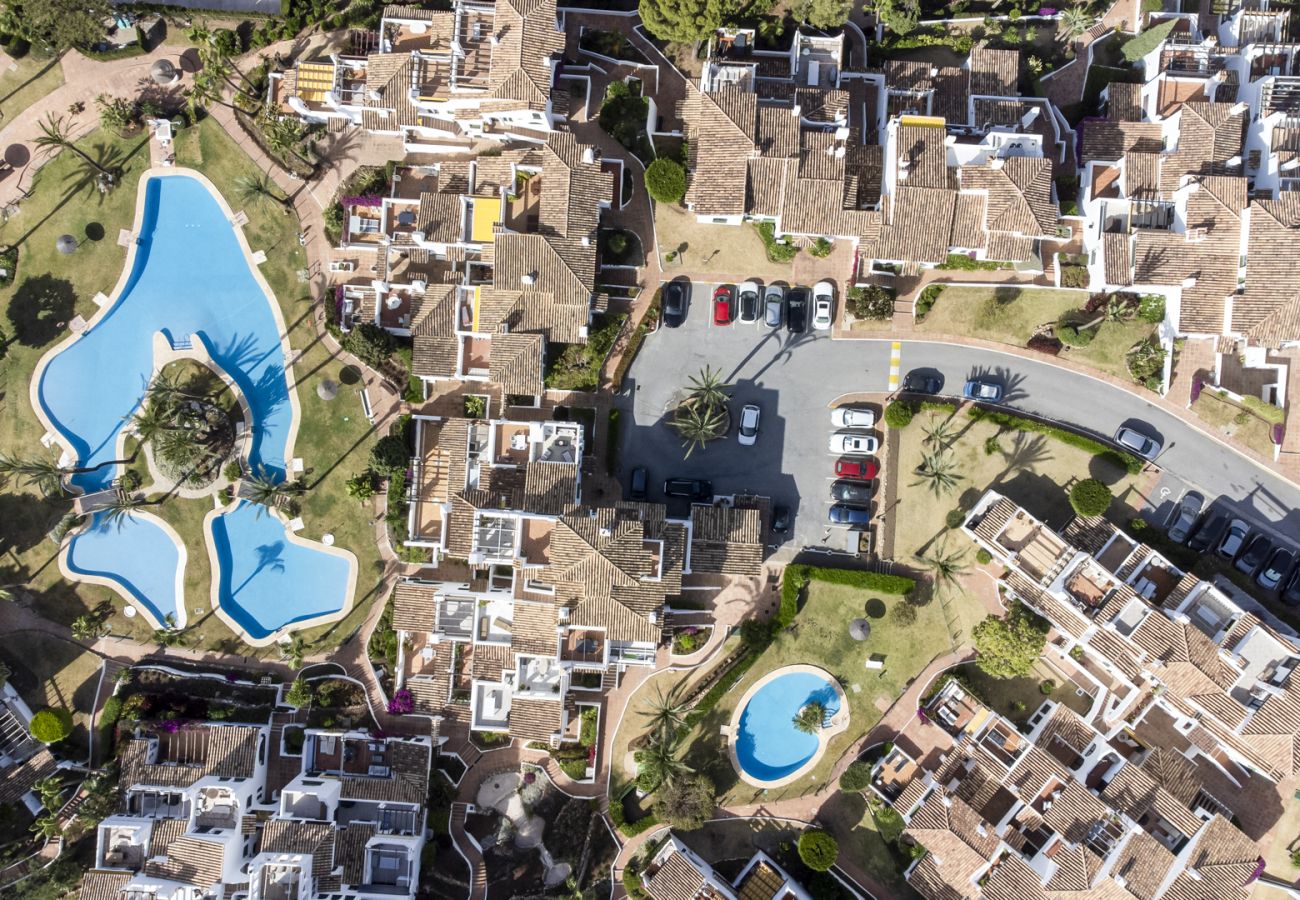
x: 1009, y: 645
x: 857, y: 777
x: 665, y: 180
x: 56, y: 25
x: 899, y: 16
x: 685, y: 803
x: 1090, y: 497
x: 818, y: 850
x: 682, y: 20
x: 49, y: 726
x: 825, y: 13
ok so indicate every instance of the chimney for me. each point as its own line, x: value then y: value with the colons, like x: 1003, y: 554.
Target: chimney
x: 528, y: 279
x: 995, y: 164
x: 589, y: 155
x: 586, y: 241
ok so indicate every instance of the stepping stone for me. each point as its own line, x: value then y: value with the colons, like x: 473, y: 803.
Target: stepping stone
x: 259, y: 257
x: 101, y: 299
x: 125, y: 238
x: 240, y: 219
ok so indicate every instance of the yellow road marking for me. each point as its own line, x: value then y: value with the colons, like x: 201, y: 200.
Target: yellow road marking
x: 895, y: 364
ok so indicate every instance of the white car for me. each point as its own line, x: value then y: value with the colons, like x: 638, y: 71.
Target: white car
x: 848, y: 417
x: 823, y: 305
x: 748, y: 433
x: 846, y: 443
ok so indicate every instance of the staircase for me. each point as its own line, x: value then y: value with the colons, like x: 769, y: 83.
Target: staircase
x: 609, y: 679
x: 478, y: 871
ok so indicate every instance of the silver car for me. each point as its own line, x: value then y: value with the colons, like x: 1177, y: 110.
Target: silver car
x: 1189, y: 510
x: 1234, y: 540
x: 774, y: 306
x: 748, y: 432
x: 1137, y: 442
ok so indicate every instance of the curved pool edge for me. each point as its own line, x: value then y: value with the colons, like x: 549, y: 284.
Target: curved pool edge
x: 116, y: 586
x: 214, y: 562
x: 839, y: 723
x: 128, y: 269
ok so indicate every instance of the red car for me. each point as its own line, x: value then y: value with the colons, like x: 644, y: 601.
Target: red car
x: 859, y: 469
x: 722, y: 305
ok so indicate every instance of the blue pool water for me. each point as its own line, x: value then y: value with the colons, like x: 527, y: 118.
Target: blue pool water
x: 267, y: 581
x: 768, y: 746
x: 135, y: 552
x: 189, y: 277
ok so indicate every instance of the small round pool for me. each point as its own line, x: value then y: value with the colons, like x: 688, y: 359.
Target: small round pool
x: 766, y: 747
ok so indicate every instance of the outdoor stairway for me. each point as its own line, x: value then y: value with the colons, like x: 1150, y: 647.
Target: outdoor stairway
x: 478, y: 871
x: 609, y: 679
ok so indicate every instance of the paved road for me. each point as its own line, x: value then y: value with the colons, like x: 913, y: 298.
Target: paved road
x: 795, y: 378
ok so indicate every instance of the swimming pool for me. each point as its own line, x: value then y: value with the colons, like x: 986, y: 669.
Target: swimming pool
x: 767, y: 748
x: 151, y: 572
x: 270, y: 578
x: 189, y: 277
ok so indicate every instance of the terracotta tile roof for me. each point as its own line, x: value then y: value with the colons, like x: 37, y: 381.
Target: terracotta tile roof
x: 1124, y: 103
x: 489, y: 661
x: 350, y: 851
x: 527, y: 38
x: 1219, y: 867
x: 968, y: 222
x: 229, y: 751
x: 516, y: 362
x: 431, y: 688
x: 951, y: 831
x: 441, y: 216
x: 558, y: 279
x: 677, y: 879
x: 1192, y: 663
x: 1142, y: 174
x: 818, y: 105
x: 1269, y: 309
x: 931, y: 882
x: 534, y: 629
x: 164, y: 833
x: 1174, y: 772
x: 1209, y: 134
x: 994, y: 72
x: 1064, y: 724
x: 1117, y: 252
x: 1074, y: 812
x: 408, y: 762
x: 916, y: 225
x: 18, y: 780
x: 415, y: 607
x: 1108, y: 141
x: 726, y: 540
x: 722, y: 125
x: 103, y: 885
x: 434, y: 340
x: 1136, y: 793
x: 293, y: 836
x: 550, y: 488
x: 1143, y: 863
x: 190, y: 859
x: 923, y: 155
x: 534, y: 719
x: 1077, y: 867
x: 1019, y: 192
x: 1035, y: 768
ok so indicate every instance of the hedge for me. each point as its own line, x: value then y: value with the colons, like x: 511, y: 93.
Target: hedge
x: 705, y: 704
x: 1090, y: 497
x: 1126, y: 461
x: 629, y: 829
x: 797, y: 577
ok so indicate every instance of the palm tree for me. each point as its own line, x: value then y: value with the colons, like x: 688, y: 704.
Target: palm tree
x: 151, y: 420
x: 811, y: 718
x: 945, y: 567
x: 667, y: 713
x: 1116, y: 310
x: 1072, y: 22
x: 284, y: 135
x: 940, y: 431
x: 85, y: 628
x: 47, y: 826
x: 293, y: 651
x: 50, y: 792
x: 120, y: 509
x: 257, y: 190
x: 659, y: 763
x: 55, y: 137
x: 708, y: 389
x: 42, y: 473
x: 938, y: 471
x: 169, y: 635
x: 262, y: 488
x: 698, y: 425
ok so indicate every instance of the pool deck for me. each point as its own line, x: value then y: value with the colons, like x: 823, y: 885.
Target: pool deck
x: 349, y: 596
x: 839, y: 722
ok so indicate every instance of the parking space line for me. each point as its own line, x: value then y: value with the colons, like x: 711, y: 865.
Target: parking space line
x: 895, y: 364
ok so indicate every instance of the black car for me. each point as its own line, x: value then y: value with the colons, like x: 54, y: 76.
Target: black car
x: 1255, y: 555
x: 780, y: 519
x: 1291, y: 596
x: 1274, y: 572
x: 749, y: 303
x: 852, y: 516
x: 696, y: 489
x: 851, y: 491
x: 638, y: 486
x: 1209, y: 532
x: 796, y: 311
x: 674, y: 301
x: 922, y: 383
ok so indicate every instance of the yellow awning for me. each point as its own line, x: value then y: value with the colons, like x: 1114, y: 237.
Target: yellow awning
x: 315, y: 80
x: 487, y: 213
x: 922, y: 121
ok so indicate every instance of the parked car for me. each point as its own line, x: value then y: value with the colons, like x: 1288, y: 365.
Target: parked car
x: 1136, y: 442
x: 749, y: 301
x: 849, y: 417
x: 748, y: 432
x: 639, y: 484
x: 851, y: 491
x: 780, y: 519
x: 918, y: 382
x: 823, y: 305
x: 1209, y: 532
x: 1291, y: 595
x: 1185, y: 516
x: 1256, y: 553
x: 722, y: 305
x: 774, y: 306
x: 696, y: 489
x: 848, y: 443
x: 857, y: 469
x: 1277, y: 568
x: 796, y: 311
x: 674, y: 302
x: 983, y: 391
x: 852, y: 516
x: 1234, y: 540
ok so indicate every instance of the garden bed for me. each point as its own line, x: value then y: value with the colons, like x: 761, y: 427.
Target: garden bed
x: 620, y: 248
x: 1235, y: 421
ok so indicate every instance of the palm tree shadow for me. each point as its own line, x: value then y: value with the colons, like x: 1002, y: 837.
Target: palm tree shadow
x: 1013, y: 389
x: 269, y: 556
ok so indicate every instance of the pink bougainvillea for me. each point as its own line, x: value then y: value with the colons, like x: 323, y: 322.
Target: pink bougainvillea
x: 402, y: 703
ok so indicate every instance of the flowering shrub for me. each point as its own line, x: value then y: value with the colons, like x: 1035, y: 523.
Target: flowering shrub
x: 1278, y: 432
x: 402, y: 703
x: 530, y: 777
x: 1197, y: 384
x: 1047, y: 11
x: 363, y: 200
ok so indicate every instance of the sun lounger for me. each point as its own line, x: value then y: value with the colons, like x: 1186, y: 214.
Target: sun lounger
x: 296, y: 525
x: 365, y: 405
x: 296, y: 466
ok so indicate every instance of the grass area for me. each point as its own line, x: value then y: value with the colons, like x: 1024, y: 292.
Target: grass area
x: 1018, y: 698
x: 1011, y: 315
x: 32, y: 79
x: 820, y: 637
x: 49, y: 671
x: 333, y: 437
x: 1235, y: 421
x: 849, y: 819
x: 705, y: 247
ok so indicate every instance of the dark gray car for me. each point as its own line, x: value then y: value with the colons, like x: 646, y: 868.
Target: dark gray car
x: 1189, y: 510
x: 674, y: 300
x: 1256, y: 552
x: 851, y: 491
x: 852, y: 516
x: 1209, y: 532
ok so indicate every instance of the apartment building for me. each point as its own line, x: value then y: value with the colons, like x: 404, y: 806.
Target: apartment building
x: 676, y: 872
x: 198, y: 819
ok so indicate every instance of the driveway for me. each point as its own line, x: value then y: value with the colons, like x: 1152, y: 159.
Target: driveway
x: 794, y: 379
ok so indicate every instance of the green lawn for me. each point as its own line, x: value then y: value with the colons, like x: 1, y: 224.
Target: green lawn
x: 33, y: 78
x: 1011, y: 315
x: 48, y: 671
x: 1236, y: 422
x: 1018, y: 698
x: 334, y: 437
x: 820, y: 637
x: 849, y: 819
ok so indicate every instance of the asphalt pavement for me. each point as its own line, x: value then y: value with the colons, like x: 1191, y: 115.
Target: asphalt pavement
x: 795, y: 378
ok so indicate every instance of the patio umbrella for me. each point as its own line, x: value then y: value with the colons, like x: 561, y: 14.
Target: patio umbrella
x: 66, y: 243
x: 859, y: 629
x: 327, y: 390
x: 162, y: 72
